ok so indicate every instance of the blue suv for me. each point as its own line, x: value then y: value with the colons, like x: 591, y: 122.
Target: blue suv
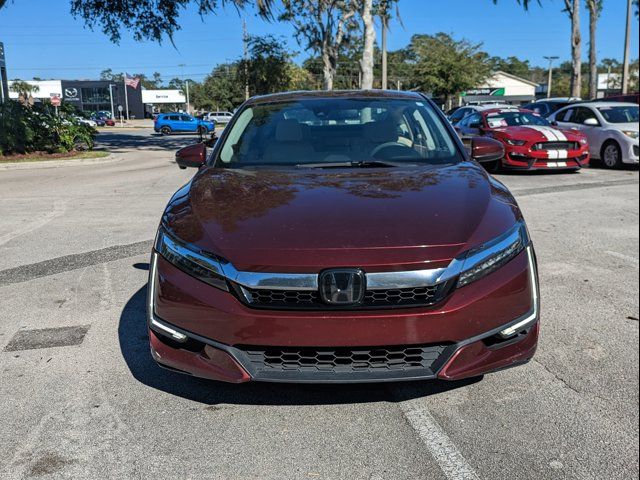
x: 168, y: 123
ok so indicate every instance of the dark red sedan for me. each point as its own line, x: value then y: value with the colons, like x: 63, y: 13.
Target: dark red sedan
x: 342, y: 237
x: 530, y: 141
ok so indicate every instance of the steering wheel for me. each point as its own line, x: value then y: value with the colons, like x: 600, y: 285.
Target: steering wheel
x: 391, y: 145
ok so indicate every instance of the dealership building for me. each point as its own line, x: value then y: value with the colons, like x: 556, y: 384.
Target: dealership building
x: 97, y: 95
x: 501, y: 87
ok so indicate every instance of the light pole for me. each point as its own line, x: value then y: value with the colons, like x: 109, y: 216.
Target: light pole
x: 625, y: 63
x: 185, y: 83
x: 113, y: 112
x: 551, y: 59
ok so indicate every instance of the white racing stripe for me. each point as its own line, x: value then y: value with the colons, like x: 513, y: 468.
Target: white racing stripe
x: 554, y: 154
x: 444, y: 451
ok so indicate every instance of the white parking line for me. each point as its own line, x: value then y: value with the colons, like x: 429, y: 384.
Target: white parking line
x: 444, y: 451
x: 622, y: 256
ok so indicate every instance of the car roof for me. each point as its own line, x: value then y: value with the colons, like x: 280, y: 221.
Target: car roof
x: 318, y: 94
x: 605, y: 104
x: 504, y: 109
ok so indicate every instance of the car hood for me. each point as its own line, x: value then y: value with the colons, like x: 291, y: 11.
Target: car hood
x: 540, y: 134
x: 380, y: 219
x: 633, y: 127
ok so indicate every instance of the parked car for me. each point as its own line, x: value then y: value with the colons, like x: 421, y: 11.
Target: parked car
x: 85, y: 121
x: 530, y: 141
x: 547, y: 106
x: 218, y: 117
x: 168, y: 123
x: 462, y: 112
x: 610, y: 127
x: 324, y: 250
x: 109, y: 122
x: 100, y: 122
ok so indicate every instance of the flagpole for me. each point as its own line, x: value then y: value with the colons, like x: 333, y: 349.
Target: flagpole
x: 126, y: 98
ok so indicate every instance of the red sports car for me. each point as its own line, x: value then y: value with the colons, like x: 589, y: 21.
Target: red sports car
x: 530, y: 141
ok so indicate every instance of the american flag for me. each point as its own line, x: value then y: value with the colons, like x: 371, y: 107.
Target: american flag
x: 131, y: 81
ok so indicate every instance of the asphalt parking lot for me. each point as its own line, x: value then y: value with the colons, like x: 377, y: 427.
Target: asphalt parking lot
x: 74, y: 244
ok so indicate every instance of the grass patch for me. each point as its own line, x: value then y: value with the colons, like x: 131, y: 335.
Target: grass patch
x: 43, y: 156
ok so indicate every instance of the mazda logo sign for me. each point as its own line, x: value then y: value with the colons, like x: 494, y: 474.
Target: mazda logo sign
x: 343, y: 286
x: 71, y: 92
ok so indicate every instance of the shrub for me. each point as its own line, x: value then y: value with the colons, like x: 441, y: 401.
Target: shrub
x: 25, y: 129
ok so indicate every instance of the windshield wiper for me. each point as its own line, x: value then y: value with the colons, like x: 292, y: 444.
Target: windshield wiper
x: 361, y: 164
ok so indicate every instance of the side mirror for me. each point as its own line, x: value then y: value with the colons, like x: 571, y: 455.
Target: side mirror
x: 485, y: 149
x: 192, y: 156
x: 591, y: 122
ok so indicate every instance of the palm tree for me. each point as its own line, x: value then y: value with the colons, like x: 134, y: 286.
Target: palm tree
x: 595, y: 9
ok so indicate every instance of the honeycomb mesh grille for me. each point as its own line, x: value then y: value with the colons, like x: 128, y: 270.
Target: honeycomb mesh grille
x: 343, y: 359
x: 556, y: 146
x: 310, y: 299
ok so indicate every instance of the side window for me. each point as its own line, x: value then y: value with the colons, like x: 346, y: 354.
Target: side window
x: 173, y: 118
x: 185, y: 118
x: 459, y: 114
x: 582, y: 113
x: 474, y: 121
x: 566, y: 116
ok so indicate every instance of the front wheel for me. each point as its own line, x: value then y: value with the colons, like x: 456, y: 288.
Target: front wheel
x: 611, y: 155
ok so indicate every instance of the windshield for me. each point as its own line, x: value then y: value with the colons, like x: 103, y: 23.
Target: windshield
x: 514, y: 119
x: 336, y: 131
x: 621, y: 114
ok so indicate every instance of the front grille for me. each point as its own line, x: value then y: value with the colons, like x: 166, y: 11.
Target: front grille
x: 310, y: 299
x: 556, y: 146
x: 266, y: 361
x: 636, y: 150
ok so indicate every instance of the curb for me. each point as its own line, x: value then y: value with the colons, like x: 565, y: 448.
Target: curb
x: 112, y: 157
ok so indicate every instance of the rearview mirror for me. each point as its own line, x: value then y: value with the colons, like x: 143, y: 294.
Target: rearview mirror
x: 192, y: 156
x: 485, y: 149
x: 591, y: 122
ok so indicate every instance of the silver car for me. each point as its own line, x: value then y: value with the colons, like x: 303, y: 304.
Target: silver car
x: 218, y: 117
x: 610, y: 127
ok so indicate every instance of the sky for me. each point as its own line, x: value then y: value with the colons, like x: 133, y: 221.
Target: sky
x: 42, y: 39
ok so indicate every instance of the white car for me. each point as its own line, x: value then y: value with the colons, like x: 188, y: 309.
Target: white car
x: 86, y: 121
x: 610, y: 127
x: 218, y: 117
x: 462, y: 112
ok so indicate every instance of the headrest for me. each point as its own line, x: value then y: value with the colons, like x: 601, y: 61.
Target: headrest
x: 383, y: 131
x: 288, y: 131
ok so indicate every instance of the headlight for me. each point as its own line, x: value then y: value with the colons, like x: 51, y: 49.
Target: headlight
x: 518, y: 143
x: 584, y: 141
x: 492, y: 255
x: 630, y: 133
x: 191, y: 260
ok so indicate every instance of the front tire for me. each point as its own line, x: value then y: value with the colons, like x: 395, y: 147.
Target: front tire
x: 611, y: 155
x: 165, y: 130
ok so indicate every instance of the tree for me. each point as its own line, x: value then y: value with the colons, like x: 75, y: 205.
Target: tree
x: 366, y: 64
x: 445, y: 66
x: 324, y: 26
x: 595, y: 9
x: 266, y: 70
x: 512, y: 65
x: 149, y: 19
x: 220, y: 90
x: 24, y: 91
x: 572, y: 7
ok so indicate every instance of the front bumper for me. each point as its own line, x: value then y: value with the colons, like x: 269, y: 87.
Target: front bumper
x: 524, y: 158
x: 631, y: 152
x: 202, y: 331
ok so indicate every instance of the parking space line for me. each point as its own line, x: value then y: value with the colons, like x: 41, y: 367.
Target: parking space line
x: 441, y: 447
x: 628, y: 258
